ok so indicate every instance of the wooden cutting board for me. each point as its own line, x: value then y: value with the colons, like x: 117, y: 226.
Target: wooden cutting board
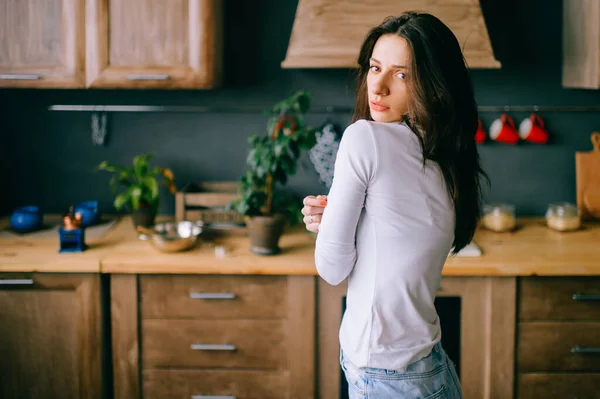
x: 588, y: 180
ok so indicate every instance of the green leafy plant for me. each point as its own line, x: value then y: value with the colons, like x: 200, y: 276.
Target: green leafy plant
x: 140, y: 183
x: 272, y: 158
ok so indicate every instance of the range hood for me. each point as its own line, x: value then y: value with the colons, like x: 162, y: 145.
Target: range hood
x: 328, y: 33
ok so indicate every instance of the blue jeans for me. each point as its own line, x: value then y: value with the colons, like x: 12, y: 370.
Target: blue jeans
x: 434, y: 376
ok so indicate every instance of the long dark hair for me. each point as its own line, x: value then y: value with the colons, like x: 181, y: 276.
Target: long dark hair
x: 441, y: 109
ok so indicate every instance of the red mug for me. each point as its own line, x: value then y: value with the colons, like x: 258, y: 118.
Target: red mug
x: 480, y: 133
x: 504, y: 131
x: 532, y: 129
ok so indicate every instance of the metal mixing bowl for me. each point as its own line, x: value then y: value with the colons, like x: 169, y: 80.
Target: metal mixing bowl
x: 173, y: 236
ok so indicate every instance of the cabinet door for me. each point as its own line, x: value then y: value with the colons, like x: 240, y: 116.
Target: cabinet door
x: 153, y: 43
x: 50, y: 336
x: 42, y: 43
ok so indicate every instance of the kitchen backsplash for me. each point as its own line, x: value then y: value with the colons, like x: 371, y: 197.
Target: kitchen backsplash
x: 48, y: 157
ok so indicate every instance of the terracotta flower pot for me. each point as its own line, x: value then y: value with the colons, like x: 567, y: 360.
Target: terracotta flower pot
x: 143, y: 216
x: 264, y: 233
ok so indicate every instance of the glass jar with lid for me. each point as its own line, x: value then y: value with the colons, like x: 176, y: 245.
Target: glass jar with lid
x: 563, y: 216
x: 499, y: 217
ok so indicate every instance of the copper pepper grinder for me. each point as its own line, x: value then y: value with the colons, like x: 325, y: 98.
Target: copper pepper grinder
x: 71, y: 220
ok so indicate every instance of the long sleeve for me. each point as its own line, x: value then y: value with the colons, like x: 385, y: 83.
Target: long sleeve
x: 355, y: 167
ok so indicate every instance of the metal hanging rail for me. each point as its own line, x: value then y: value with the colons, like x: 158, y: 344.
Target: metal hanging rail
x: 315, y: 109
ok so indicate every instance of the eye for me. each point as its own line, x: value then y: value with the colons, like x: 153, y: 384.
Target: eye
x: 401, y: 75
x: 374, y: 68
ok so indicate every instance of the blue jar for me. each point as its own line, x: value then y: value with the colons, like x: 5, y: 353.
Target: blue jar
x: 90, y: 214
x: 26, y: 219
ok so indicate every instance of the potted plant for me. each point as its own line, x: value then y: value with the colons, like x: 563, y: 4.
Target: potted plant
x: 141, y: 188
x: 272, y: 158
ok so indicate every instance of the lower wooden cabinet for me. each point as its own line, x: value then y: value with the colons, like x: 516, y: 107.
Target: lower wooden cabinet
x: 487, y: 326
x: 50, y: 336
x: 205, y: 336
x: 558, y: 338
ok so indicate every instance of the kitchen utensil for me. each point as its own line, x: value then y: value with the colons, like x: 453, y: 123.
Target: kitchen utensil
x: 532, y: 129
x: 499, y: 217
x: 588, y: 180
x: 172, y: 237
x: 26, y: 219
x: 563, y: 217
x: 89, y: 212
x: 503, y: 130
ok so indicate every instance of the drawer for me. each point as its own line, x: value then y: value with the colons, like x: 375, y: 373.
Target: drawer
x: 256, y: 344
x: 559, y: 386
x: 546, y: 346
x: 559, y: 298
x: 213, y: 297
x: 188, y: 384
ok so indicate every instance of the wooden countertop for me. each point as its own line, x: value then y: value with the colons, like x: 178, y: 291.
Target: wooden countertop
x: 23, y: 253
x: 533, y: 249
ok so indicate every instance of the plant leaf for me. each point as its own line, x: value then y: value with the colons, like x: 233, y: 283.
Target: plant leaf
x: 169, y: 179
x: 121, y: 200
x: 152, y: 185
x: 136, y: 194
x: 105, y: 165
x: 140, y: 165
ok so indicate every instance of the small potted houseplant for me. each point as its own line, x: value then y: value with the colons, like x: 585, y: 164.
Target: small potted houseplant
x: 272, y: 158
x: 140, y: 185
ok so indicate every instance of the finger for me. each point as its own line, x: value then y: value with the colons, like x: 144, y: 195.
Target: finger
x: 305, y: 210
x: 311, y: 219
x: 308, y: 199
x: 313, y: 227
x: 316, y: 218
x: 315, y: 202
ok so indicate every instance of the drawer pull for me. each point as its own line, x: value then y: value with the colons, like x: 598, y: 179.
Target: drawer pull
x: 580, y: 349
x: 213, y: 397
x: 23, y: 281
x: 580, y: 296
x: 212, y: 347
x: 212, y: 295
x: 150, y: 76
x: 16, y: 76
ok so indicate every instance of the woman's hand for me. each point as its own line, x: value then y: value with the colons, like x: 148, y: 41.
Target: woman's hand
x: 313, y: 210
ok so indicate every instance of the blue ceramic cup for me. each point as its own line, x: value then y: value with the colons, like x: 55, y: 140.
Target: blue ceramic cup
x: 26, y: 219
x: 90, y: 214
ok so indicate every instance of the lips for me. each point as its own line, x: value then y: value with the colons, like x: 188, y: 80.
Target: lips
x: 377, y: 106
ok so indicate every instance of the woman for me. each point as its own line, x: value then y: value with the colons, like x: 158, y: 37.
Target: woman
x: 405, y: 194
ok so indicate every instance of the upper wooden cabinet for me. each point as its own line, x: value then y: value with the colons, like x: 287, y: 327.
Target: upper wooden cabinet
x: 153, y: 43
x: 42, y: 43
x: 581, y: 44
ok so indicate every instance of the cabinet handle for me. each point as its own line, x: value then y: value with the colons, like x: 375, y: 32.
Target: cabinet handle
x: 18, y: 76
x: 213, y: 397
x: 581, y: 349
x: 23, y: 281
x: 148, y: 76
x: 212, y: 295
x: 212, y: 347
x: 580, y: 296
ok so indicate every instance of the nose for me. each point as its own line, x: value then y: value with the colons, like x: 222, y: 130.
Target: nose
x: 379, y: 86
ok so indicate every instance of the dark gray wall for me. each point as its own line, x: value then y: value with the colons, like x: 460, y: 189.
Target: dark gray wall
x: 48, y: 157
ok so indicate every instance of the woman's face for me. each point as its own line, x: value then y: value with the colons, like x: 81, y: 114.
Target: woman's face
x: 386, y: 82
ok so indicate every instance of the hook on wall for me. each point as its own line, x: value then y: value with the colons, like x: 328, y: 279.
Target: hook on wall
x: 99, y: 128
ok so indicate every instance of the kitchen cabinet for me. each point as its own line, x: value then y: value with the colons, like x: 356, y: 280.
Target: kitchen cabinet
x: 558, y: 337
x: 487, y: 328
x: 42, y: 44
x: 50, y: 336
x: 581, y: 44
x: 242, y: 336
x: 153, y: 43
